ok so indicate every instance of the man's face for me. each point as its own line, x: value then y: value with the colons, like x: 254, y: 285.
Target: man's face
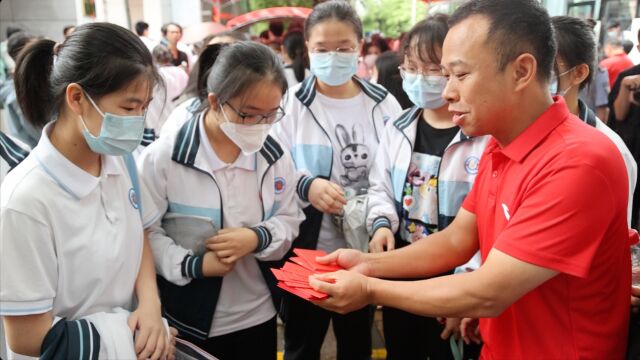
x: 173, y: 34
x: 478, y: 94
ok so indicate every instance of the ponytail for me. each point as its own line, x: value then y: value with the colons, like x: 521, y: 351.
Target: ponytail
x: 102, y: 58
x: 297, y: 51
x: 31, y: 78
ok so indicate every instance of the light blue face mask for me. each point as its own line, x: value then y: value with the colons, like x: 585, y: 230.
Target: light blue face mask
x: 425, y: 91
x: 334, y: 68
x: 119, y: 134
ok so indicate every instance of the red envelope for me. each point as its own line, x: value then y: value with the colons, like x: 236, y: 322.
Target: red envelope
x: 302, y: 262
x: 298, y: 284
x: 307, y: 294
x: 296, y: 269
x: 310, y: 257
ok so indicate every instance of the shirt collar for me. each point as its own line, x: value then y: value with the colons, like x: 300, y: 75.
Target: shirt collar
x: 77, y: 182
x: 524, y: 143
x: 247, y: 162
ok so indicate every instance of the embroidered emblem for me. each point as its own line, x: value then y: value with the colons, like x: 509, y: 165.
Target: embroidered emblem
x: 471, y: 165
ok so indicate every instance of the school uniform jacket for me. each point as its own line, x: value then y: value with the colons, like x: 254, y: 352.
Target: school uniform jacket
x: 457, y: 170
x: 304, y: 132
x: 181, y: 181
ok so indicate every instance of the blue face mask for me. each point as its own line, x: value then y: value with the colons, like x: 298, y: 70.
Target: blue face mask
x: 334, y: 68
x: 119, y: 135
x: 425, y: 91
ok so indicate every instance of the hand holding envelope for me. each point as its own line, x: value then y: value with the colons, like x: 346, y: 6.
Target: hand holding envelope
x: 294, y: 275
x: 324, y: 279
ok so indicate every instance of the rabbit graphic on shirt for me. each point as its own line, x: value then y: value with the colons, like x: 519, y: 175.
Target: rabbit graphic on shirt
x: 354, y: 157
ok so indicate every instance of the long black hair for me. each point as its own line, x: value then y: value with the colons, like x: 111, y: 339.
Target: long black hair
x: 100, y: 57
x: 297, y: 51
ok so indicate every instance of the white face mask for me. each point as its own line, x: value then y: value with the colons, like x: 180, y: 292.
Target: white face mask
x: 249, y: 138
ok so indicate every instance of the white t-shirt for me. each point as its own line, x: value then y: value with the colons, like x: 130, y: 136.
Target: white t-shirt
x: 354, y: 144
x: 245, y: 300
x: 71, y: 242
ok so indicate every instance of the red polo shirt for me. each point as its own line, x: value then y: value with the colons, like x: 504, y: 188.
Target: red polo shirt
x: 556, y: 197
x: 615, y: 65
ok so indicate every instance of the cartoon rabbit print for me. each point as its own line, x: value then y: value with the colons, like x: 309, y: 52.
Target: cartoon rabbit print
x: 354, y: 157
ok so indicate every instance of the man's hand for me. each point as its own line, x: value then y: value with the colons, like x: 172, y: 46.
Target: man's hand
x: 232, y: 244
x: 349, y: 259
x: 382, y: 240
x: 327, y: 196
x: 347, y: 290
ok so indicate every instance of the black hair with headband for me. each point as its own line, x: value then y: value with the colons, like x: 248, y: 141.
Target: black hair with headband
x: 100, y: 57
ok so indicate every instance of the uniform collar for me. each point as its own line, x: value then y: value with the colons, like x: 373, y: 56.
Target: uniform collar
x: 587, y: 115
x: 247, y: 162
x: 188, y: 142
x: 524, y: 143
x: 75, y: 181
x: 307, y: 91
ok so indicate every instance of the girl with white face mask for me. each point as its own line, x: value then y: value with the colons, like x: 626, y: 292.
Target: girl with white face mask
x: 436, y: 164
x: 332, y: 128
x: 76, y: 264
x: 227, y: 193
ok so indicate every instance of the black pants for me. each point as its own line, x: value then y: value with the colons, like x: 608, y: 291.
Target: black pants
x: 305, y: 326
x: 409, y: 336
x: 633, y: 349
x: 257, y: 342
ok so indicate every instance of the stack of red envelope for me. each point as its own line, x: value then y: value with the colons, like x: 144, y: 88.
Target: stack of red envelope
x: 294, y: 275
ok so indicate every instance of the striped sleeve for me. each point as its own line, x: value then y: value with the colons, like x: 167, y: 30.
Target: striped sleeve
x: 264, y: 237
x: 77, y: 339
x: 303, y: 187
x: 191, y: 266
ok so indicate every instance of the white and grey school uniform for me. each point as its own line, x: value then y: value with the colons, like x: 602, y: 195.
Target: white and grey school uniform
x: 199, y: 194
x: 71, y: 242
x: 12, y: 152
x: 333, y: 139
x: 418, y: 182
x: 454, y: 175
x: 327, y: 138
x: 588, y: 116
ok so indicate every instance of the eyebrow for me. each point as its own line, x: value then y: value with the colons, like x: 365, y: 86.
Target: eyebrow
x: 249, y: 107
x: 136, y: 100
x: 456, y: 63
x: 345, y: 41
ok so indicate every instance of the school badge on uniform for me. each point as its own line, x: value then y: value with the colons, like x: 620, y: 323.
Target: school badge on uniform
x: 133, y: 199
x: 279, y: 185
x: 471, y: 165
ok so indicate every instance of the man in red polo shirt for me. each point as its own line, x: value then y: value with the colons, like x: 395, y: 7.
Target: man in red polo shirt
x: 617, y: 60
x: 547, y: 209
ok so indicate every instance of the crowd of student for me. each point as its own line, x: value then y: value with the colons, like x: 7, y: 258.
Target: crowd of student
x: 148, y: 193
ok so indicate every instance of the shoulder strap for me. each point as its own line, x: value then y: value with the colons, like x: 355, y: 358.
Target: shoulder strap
x: 133, y: 174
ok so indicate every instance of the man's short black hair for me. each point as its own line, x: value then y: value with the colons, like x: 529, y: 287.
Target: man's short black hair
x: 141, y: 27
x: 576, y: 43
x: 516, y: 27
x: 276, y: 27
x: 166, y: 26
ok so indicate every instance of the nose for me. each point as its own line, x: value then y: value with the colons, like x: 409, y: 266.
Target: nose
x: 450, y: 93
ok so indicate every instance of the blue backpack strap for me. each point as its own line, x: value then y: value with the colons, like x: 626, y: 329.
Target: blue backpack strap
x: 133, y: 174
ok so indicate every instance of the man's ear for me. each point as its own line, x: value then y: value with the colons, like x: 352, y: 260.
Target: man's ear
x: 525, y: 70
